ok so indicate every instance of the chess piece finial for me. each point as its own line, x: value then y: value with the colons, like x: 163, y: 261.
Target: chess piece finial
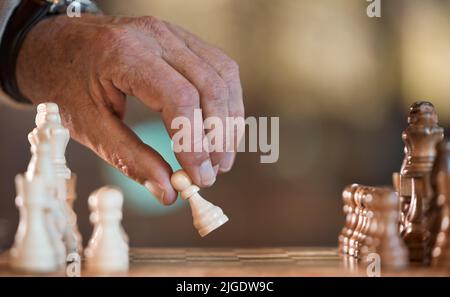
x: 107, y: 250
x: 45, y: 109
x: 207, y: 217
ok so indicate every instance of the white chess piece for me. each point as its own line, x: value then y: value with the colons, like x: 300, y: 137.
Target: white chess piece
x: 207, y: 217
x: 107, y: 250
x: 35, y: 252
x: 42, y: 110
x: 71, y: 197
x: 43, y: 167
x: 48, y: 121
x: 94, y: 219
x: 18, y: 238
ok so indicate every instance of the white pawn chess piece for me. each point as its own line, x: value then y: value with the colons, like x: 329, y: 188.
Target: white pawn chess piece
x: 94, y: 219
x: 107, y: 250
x: 36, y: 252
x: 207, y: 217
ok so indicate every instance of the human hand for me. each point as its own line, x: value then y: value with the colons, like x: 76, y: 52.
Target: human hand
x: 88, y: 66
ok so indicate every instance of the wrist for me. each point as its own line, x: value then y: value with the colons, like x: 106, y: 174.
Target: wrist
x: 55, y: 56
x: 25, y: 17
x: 33, y: 66
x: 21, y: 21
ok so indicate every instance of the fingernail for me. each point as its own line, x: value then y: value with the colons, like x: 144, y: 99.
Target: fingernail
x: 156, y: 190
x: 207, y: 174
x: 227, y: 162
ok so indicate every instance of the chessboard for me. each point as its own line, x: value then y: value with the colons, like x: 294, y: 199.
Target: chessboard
x: 239, y: 262
x: 390, y: 231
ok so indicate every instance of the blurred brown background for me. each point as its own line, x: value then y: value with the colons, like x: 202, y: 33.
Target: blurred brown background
x: 340, y: 82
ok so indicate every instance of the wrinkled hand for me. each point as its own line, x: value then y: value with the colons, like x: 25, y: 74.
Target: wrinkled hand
x: 88, y: 65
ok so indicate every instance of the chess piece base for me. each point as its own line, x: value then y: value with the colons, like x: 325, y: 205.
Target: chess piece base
x: 213, y: 226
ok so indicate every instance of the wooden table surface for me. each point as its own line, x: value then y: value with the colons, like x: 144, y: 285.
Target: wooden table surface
x: 288, y: 261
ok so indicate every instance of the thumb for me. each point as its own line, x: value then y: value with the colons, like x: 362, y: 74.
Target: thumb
x: 117, y: 144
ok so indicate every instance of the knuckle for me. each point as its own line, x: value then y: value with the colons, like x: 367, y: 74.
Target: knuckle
x: 231, y: 66
x: 196, y: 159
x: 152, y: 24
x: 230, y: 69
x: 147, y: 22
x: 186, y: 96
x: 237, y: 110
x: 216, y: 90
x: 113, y: 43
x: 240, y: 113
x: 124, y: 164
x: 112, y: 35
x: 217, y: 156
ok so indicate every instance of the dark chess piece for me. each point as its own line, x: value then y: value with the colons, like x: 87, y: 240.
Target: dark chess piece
x: 420, y: 138
x: 363, y: 221
x: 351, y: 218
x: 441, y: 250
x: 382, y: 235
x: 404, y: 201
